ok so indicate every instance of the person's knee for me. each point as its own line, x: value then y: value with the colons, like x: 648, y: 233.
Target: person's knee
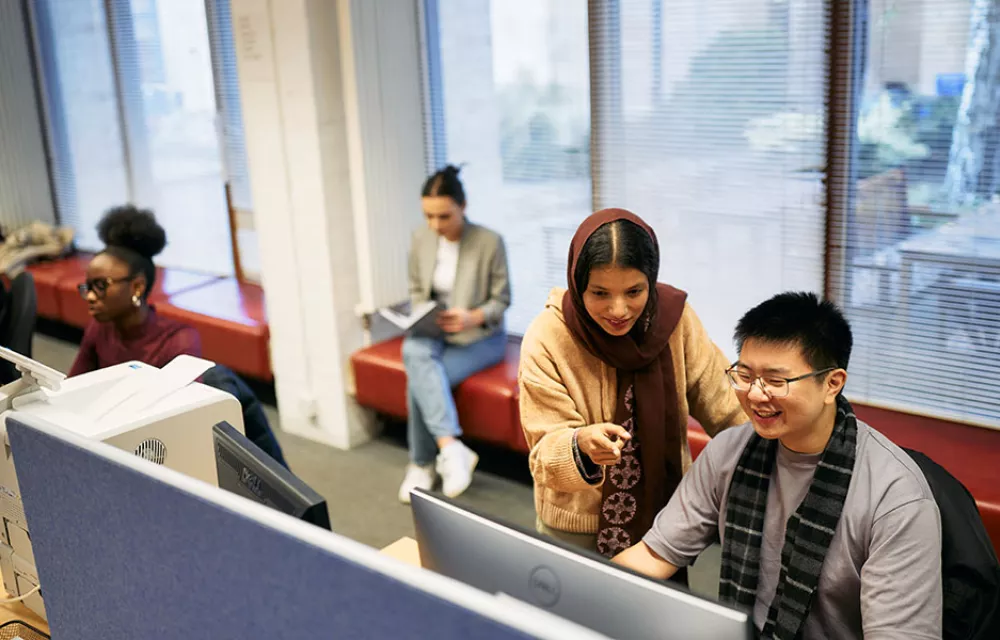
x: 417, y: 350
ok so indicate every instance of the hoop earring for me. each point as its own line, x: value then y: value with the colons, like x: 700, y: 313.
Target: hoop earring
x: 136, y: 300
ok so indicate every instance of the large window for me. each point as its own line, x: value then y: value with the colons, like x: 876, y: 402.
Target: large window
x: 89, y: 165
x: 921, y: 276
x: 689, y: 102
x: 131, y: 111
x: 510, y: 99
x: 702, y: 109
x: 726, y: 124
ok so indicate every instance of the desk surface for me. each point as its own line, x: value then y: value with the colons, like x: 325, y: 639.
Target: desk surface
x: 404, y: 550
x: 18, y: 612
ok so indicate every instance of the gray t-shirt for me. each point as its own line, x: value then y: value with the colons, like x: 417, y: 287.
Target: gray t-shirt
x: 882, y: 574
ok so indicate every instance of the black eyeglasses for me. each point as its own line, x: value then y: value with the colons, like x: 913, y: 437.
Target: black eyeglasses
x: 743, y: 379
x: 99, y: 286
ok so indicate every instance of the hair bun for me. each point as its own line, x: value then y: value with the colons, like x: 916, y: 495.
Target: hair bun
x: 452, y: 170
x: 134, y: 229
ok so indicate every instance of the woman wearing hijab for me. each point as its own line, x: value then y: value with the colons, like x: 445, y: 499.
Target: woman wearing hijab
x: 609, y: 373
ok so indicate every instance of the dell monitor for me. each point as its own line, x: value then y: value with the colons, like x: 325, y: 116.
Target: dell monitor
x: 573, y: 584
x: 246, y: 470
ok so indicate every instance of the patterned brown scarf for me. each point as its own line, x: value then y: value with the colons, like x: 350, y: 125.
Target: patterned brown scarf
x: 640, y: 485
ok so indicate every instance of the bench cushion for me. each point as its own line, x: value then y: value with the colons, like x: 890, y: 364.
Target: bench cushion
x: 49, y: 275
x: 231, y: 319
x: 486, y: 402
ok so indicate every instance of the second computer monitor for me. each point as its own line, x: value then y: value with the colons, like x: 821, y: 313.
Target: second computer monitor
x: 247, y: 470
x: 584, y: 588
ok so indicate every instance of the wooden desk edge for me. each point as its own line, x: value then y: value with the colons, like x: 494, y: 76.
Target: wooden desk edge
x: 17, y: 612
x: 405, y: 550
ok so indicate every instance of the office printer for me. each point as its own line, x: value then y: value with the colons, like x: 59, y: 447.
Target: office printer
x: 162, y: 415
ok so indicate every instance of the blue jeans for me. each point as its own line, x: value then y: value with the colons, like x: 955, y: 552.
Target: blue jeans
x: 433, y: 368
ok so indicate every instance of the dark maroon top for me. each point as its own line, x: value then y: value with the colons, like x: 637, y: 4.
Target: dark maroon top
x: 158, y: 341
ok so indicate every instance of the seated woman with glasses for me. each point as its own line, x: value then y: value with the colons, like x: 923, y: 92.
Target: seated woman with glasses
x: 609, y: 372
x: 126, y: 327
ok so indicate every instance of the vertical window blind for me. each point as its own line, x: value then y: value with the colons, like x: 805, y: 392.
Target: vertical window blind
x: 229, y: 125
x: 713, y: 123
x: 707, y: 119
x: 130, y: 102
x: 167, y: 99
x: 227, y: 92
x: 25, y: 194
x: 919, y: 273
x: 88, y: 164
x: 509, y: 98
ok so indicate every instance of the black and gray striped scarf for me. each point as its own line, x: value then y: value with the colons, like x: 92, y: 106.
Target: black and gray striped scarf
x: 808, y: 533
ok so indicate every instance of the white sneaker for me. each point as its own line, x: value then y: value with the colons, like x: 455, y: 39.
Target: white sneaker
x: 416, y: 478
x: 455, y: 463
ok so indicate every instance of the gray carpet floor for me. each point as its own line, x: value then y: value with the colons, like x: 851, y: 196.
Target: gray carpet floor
x: 360, y: 485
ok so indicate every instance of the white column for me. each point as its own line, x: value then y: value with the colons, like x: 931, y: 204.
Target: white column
x: 300, y: 82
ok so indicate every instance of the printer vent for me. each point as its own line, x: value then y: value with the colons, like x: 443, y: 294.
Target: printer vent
x: 153, y: 450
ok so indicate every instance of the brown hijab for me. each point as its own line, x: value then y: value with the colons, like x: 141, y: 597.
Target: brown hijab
x: 640, y: 485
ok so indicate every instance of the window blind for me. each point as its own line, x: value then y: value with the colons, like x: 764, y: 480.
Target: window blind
x: 89, y: 172
x: 130, y: 106
x: 919, y: 273
x: 227, y: 93
x: 25, y: 194
x: 229, y: 128
x: 165, y: 80
x: 710, y: 123
x: 508, y: 96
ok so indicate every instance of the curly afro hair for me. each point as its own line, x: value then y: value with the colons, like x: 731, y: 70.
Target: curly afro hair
x: 134, y: 229
x: 134, y: 236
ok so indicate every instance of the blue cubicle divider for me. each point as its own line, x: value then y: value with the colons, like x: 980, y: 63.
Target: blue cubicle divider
x: 127, y: 550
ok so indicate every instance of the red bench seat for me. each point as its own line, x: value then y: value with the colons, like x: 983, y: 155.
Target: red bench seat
x: 229, y: 315
x: 49, y: 275
x: 971, y: 454
x: 487, y: 409
x: 232, y: 321
x: 486, y: 402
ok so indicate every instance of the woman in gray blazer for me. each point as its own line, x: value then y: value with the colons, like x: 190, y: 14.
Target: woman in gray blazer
x: 464, y: 267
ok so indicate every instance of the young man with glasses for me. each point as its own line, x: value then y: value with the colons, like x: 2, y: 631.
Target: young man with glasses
x: 828, y: 530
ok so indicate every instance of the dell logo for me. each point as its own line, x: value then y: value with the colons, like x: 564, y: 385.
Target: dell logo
x: 544, y: 586
x: 251, y: 481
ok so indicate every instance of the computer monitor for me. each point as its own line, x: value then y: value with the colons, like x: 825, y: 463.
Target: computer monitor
x: 246, y: 470
x: 577, y: 585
